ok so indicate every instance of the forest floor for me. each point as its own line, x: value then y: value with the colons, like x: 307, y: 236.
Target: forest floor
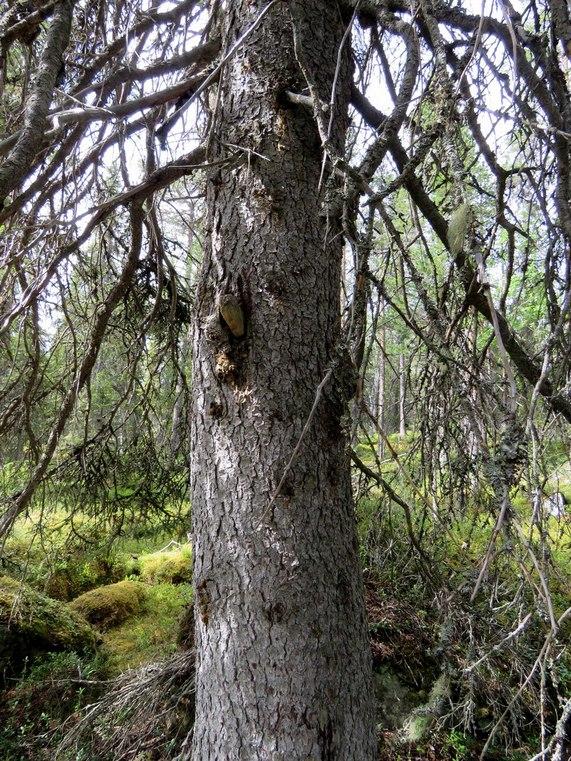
x: 427, y: 708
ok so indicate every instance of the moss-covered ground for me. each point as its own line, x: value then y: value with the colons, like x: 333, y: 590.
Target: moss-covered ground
x: 135, y: 591
x: 150, y: 635
x: 84, y: 615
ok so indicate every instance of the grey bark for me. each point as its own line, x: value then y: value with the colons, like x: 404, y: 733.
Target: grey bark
x: 283, y: 663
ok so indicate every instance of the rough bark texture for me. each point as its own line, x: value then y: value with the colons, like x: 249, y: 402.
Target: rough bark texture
x: 283, y: 668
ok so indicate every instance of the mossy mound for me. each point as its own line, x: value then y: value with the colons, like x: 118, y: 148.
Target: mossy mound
x: 78, y: 573
x: 150, y: 636
x: 31, y: 623
x: 423, y: 718
x: 109, y: 606
x: 167, y: 566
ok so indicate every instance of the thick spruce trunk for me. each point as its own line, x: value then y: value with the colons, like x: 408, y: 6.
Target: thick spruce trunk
x: 283, y: 664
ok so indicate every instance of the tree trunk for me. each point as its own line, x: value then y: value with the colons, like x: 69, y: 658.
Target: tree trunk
x: 382, y: 376
x: 283, y: 664
x: 402, y: 396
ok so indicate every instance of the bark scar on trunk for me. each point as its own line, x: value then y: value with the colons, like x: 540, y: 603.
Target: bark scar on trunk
x: 203, y: 601
x: 325, y: 740
x: 229, y: 350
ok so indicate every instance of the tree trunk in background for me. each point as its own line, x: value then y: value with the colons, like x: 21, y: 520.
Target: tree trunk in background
x: 283, y: 663
x: 402, y: 396
x: 179, y: 420
x: 382, y: 376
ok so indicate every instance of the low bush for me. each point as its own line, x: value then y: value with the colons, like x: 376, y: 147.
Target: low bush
x: 33, y: 710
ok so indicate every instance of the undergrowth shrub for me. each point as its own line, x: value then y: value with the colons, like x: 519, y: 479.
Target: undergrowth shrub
x: 33, y: 710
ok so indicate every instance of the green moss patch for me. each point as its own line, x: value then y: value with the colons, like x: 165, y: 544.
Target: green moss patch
x: 172, y: 566
x: 109, y: 606
x: 31, y: 623
x: 153, y: 633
